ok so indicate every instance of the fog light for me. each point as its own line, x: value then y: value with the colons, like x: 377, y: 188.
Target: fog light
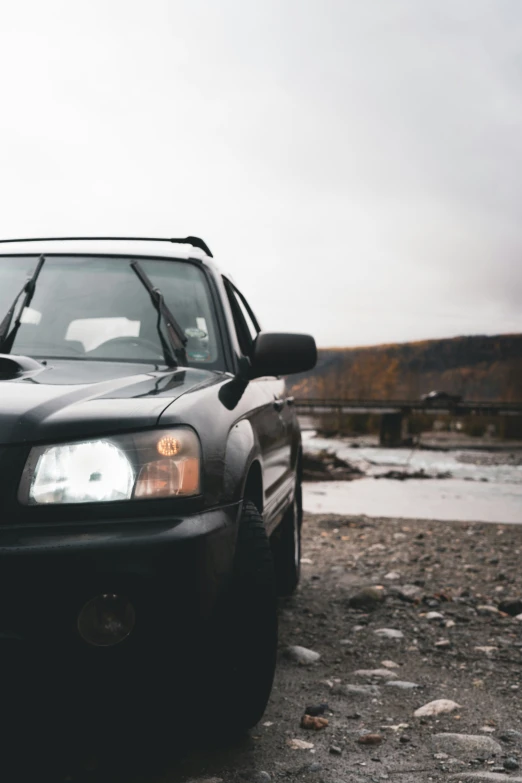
x: 106, y: 620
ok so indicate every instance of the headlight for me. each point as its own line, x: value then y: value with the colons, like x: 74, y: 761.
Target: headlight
x: 160, y: 464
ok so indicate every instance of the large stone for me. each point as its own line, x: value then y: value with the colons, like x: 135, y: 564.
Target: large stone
x: 403, y: 685
x: 368, y: 599
x: 379, y: 674
x: 389, y: 633
x: 302, y: 655
x: 512, y: 606
x: 466, y: 746
x: 355, y: 690
x: 437, y: 707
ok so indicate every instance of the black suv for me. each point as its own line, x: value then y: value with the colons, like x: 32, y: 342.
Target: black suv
x: 150, y: 467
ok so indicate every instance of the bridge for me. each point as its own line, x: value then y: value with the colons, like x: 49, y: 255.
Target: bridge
x: 394, y: 412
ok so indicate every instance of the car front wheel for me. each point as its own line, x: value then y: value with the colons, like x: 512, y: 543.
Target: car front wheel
x: 244, y: 636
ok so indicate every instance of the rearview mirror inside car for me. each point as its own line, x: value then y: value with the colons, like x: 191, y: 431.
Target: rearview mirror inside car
x: 279, y: 353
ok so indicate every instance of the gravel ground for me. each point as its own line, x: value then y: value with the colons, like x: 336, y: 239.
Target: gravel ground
x: 469, y: 655
x: 439, y: 588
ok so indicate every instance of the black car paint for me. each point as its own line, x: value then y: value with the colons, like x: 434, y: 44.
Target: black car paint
x: 176, y: 554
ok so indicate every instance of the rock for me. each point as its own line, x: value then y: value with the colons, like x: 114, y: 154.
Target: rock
x: 370, y: 739
x: 512, y: 606
x: 519, y: 617
x: 392, y: 576
x: 437, y: 707
x: 316, y: 709
x: 404, y: 738
x: 487, y: 650
x: 467, y: 746
x: 298, y: 744
x: 486, y: 609
x: 389, y: 633
x: 355, y: 690
x: 449, y: 624
x: 302, y: 655
x: 433, y: 616
x: 443, y: 643
x: 368, y: 599
x: 411, y: 594
x: 510, y: 735
x: 380, y: 674
x: 313, y: 723
x: 403, y: 685
x: 335, y: 750
x: 390, y: 664
x: 511, y: 764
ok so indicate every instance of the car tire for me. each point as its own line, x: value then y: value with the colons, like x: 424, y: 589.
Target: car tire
x: 286, y: 547
x: 244, y: 645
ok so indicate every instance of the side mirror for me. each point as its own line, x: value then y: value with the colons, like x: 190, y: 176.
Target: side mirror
x: 277, y: 353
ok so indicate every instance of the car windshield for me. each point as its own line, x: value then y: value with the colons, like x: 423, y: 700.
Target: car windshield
x: 92, y: 307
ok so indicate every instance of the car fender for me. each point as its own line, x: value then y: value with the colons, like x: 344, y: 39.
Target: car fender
x: 241, y: 451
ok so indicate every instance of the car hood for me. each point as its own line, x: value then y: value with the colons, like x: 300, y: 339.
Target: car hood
x: 77, y: 399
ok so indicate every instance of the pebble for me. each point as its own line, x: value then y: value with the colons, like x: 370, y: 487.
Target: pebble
x: 466, y: 746
x: 487, y: 609
x: 369, y: 598
x: 370, y: 739
x: 335, y: 750
x: 302, y: 655
x: 389, y: 633
x: 392, y: 576
x: 437, y: 707
x: 432, y: 616
x: 510, y: 735
x: 381, y: 674
x: 404, y: 738
x: 411, y: 594
x: 315, y: 766
x: 316, y: 709
x: 355, y: 690
x: 299, y: 744
x: 403, y: 685
x: 390, y: 664
x: 511, y: 764
x: 442, y: 643
x: 313, y: 723
x: 512, y: 606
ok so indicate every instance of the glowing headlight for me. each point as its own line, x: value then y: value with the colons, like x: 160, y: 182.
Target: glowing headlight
x: 159, y: 464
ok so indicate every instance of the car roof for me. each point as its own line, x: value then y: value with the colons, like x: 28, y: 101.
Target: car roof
x: 163, y: 248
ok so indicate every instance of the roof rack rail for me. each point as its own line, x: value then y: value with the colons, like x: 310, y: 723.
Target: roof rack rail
x: 194, y: 241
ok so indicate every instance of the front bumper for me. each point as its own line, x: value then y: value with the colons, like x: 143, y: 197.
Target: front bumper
x: 171, y: 570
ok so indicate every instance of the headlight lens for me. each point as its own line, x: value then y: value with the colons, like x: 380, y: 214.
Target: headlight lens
x: 160, y: 464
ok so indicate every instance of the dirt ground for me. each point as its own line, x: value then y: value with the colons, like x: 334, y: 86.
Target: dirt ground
x: 471, y: 654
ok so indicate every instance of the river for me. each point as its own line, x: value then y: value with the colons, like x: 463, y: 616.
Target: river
x: 483, y: 487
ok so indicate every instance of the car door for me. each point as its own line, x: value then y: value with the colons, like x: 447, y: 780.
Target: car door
x: 271, y: 422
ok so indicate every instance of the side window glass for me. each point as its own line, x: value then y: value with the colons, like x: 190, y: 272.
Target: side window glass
x: 246, y: 325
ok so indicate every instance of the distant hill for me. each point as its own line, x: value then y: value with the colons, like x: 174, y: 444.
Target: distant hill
x: 479, y: 368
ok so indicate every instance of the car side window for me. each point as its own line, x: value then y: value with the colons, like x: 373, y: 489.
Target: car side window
x: 247, y: 327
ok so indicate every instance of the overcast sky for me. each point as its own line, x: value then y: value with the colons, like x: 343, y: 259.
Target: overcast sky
x: 356, y: 165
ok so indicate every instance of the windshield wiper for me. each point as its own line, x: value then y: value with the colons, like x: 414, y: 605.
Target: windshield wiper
x: 7, y: 335
x: 173, y: 350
